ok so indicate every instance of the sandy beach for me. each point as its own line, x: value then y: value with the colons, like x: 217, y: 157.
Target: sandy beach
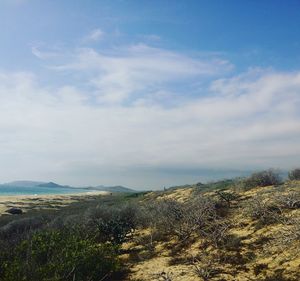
x: 29, y: 202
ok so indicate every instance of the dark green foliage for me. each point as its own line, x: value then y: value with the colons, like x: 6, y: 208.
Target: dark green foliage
x: 294, y: 174
x: 61, y: 244
x: 60, y: 255
x: 20, y: 227
x: 114, y: 224
x: 259, y: 268
x: 227, y: 197
x: 221, y: 184
x: 263, y: 178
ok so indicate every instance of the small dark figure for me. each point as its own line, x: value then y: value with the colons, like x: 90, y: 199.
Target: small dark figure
x: 14, y: 211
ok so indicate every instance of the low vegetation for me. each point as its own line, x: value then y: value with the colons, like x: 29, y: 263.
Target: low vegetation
x: 240, y: 229
x: 263, y: 178
x: 294, y: 174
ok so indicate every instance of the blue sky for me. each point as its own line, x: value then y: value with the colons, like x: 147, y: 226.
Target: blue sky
x: 263, y: 33
x: 147, y: 93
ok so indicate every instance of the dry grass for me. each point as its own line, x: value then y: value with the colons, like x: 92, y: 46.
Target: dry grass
x: 269, y: 252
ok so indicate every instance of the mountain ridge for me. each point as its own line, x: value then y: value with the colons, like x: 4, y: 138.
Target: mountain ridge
x: 36, y: 184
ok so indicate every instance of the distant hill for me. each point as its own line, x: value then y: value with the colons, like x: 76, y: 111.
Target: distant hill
x: 117, y: 188
x: 54, y: 185
x: 24, y: 183
x: 37, y: 184
x: 213, y: 185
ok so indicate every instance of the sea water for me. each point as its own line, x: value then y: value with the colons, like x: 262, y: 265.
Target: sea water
x: 38, y: 190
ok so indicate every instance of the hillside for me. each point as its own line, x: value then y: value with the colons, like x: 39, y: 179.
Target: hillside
x: 225, y: 231
x: 253, y: 240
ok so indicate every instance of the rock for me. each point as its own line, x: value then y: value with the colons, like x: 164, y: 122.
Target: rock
x: 14, y: 211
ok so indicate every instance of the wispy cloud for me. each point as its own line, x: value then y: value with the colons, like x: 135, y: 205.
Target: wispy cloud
x: 130, y: 73
x: 151, y: 37
x: 94, y: 35
x: 43, y: 54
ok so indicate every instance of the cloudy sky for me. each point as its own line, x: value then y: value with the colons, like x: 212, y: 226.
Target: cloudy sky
x: 147, y: 93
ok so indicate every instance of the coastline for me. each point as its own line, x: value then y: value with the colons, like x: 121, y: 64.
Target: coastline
x: 44, y: 201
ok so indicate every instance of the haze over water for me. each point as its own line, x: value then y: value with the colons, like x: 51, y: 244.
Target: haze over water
x: 18, y: 190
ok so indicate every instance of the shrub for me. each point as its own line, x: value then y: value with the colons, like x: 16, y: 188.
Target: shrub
x: 203, y: 218
x: 232, y: 242
x: 60, y: 255
x: 227, y: 197
x: 166, y: 216
x: 114, y: 224
x: 264, y: 178
x: 194, y: 217
x: 290, y: 232
x: 215, y: 232
x: 291, y: 200
x: 203, y: 266
x: 294, y: 174
x: 147, y: 241
x: 263, y: 210
x: 199, y: 214
x: 16, y: 229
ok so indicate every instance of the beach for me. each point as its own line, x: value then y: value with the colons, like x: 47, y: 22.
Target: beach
x: 53, y: 201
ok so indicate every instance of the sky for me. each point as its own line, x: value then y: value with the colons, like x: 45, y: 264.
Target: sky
x: 148, y: 94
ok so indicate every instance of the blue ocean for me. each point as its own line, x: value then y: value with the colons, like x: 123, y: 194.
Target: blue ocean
x: 18, y: 190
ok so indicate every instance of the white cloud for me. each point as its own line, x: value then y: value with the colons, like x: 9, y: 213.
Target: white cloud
x: 56, y: 133
x: 132, y: 113
x: 138, y: 69
x: 43, y: 54
x: 94, y: 35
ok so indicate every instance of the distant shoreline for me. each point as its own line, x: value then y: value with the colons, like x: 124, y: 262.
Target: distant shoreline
x: 42, y: 201
x: 88, y: 192
x: 73, y: 192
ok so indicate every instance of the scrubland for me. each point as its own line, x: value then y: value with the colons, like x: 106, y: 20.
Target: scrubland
x: 239, y: 229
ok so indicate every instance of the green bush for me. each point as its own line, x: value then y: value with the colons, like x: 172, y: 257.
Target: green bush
x: 59, y: 255
x: 294, y: 174
x: 20, y: 228
x: 263, y: 178
x: 227, y: 197
x: 114, y: 224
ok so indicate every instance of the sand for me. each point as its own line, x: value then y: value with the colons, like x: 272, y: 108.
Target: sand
x: 28, y: 202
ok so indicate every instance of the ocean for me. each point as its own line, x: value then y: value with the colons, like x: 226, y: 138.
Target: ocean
x: 6, y: 190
